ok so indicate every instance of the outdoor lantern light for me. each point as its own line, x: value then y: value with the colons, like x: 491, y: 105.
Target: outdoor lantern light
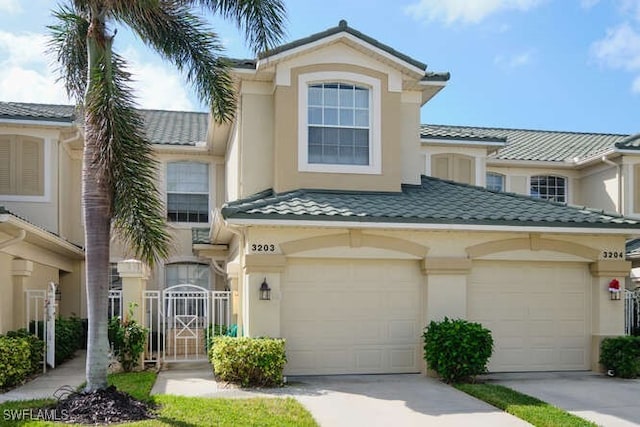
x: 614, y: 289
x: 58, y: 295
x: 265, y: 290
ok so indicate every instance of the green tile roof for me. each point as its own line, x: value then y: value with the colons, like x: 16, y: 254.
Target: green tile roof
x: 162, y: 127
x: 435, y: 201
x: 525, y: 144
x: 200, y: 236
x: 28, y: 111
x: 632, y: 248
x: 630, y: 143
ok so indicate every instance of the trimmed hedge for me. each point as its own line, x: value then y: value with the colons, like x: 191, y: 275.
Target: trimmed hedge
x: 249, y: 361
x: 621, y: 356
x: 15, y: 363
x: 36, y: 347
x: 457, y: 350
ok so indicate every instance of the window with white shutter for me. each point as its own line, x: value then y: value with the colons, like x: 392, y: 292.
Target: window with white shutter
x: 21, y: 165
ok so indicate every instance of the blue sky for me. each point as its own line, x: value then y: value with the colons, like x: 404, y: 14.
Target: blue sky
x: 537, y: 64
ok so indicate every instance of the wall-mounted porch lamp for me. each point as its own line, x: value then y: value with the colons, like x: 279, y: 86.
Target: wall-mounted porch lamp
x: 614, y: 289
x: 58, y: 295
x: 265, y: 290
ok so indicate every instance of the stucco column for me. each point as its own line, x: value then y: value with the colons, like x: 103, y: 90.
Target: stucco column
x: 262, y: 318
x: 233, y: 275
x: 21, y: 270
x: 134, y: 276
x: 446, y: 287
x: 607, y: 315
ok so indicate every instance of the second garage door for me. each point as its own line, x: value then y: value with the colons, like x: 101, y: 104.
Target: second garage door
x: 351, y: 316
x: 537, y: 312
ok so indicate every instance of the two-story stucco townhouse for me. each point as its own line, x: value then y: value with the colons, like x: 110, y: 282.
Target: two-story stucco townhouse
x: 362, y: 223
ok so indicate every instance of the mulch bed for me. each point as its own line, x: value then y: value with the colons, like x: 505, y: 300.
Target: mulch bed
x: 104, y: 406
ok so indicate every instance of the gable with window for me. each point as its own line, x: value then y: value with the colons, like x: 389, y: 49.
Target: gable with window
x: 21, y: 166
x: 188, y: 192
x: 339, y: 128
x: 549, y: 187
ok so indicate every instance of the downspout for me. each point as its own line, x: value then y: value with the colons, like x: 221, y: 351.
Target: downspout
x: 619, y: 179
x: 19, y: 238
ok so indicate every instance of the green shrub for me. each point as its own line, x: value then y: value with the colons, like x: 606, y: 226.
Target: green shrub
x: 457, y: 350
x: 15, y: 362
x: 36, y: 348
x: 127, y: 338
x: 249, y: 361
x: 621, y: 356
x: 69, y: 336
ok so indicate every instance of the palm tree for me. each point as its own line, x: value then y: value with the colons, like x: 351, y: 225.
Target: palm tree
x: 118, y: 190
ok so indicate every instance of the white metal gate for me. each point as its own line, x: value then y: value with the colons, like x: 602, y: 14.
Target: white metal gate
x: 181, y: 319
x: 632, y: 312
x: 40, y: 320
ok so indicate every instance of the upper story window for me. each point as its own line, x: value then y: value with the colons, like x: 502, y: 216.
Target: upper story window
x: 495, y: 181
x: 22, y: 167
x: 115, y: 281
x: 188, y: 192
x: 549, y: 187
x: 339, y: 123
x: 338, y: 118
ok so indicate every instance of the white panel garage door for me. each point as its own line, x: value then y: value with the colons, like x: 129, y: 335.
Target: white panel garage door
x: 537, y: 312
x: 342, y: 317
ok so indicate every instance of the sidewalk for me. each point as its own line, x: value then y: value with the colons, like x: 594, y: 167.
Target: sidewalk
x: 71, y: 373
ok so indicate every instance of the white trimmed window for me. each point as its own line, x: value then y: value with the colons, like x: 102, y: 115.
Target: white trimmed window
x: 23, y: 167
x: 339, y: 129
x: 495, y: 181
x: 187, y: 273
x: 188, y: 192
x: 549, y: 187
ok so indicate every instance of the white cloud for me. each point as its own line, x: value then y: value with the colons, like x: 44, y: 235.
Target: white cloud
x: 514, y: 61
x: 588, y: 4
x: 10, y: 6
x: 620, y: 49
x: 24, y: 72
x: 464, y: 11
x: 157, y: 86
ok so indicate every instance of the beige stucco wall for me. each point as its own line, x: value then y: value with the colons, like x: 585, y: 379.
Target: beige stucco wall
x: 71, y: 222
x: 6, y: 289
x: 257, y: 123
x: 45, y: 212
x: 599, y: 189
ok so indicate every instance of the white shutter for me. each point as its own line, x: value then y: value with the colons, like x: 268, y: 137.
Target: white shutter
x: 32, y: 166
x: 7, y: 165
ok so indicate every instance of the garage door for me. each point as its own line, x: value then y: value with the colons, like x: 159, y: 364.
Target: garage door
x: 537, y: 312
x: 342, y: 317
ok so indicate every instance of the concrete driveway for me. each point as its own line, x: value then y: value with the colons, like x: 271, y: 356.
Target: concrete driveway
x: 356, y: 400
x: 611, y: 402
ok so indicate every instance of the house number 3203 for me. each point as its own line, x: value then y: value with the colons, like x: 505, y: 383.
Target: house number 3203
x: 267, y: 247
x: 613, y: 254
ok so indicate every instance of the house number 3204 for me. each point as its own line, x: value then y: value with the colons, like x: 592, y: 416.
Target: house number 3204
x: 263, y: 247
x: 613, y: 254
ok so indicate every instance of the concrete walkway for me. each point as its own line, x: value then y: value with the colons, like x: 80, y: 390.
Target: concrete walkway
x: 71, y: 373
x: 348, y: 400
x: 611, y: 402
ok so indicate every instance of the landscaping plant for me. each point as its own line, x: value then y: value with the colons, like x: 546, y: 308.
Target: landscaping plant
x: 36, y: 348
x: 249, y: 361
x: 457, y: 350
x: 15, y: 362
x: 621, y: 356
x: 127, y: 338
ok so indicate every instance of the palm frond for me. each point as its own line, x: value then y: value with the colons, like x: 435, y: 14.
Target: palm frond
x: 262, y: 21
x: 125, y: 160
x: 68, y: 42
x: 184, y: 39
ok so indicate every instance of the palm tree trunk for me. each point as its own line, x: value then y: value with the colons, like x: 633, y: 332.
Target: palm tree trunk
x: 97, y: 218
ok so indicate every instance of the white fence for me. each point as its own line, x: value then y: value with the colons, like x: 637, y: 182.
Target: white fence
x: 632, y: 312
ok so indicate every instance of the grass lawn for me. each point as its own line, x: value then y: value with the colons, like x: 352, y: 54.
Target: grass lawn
x: 188, y: 411
x: 528, y: 408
